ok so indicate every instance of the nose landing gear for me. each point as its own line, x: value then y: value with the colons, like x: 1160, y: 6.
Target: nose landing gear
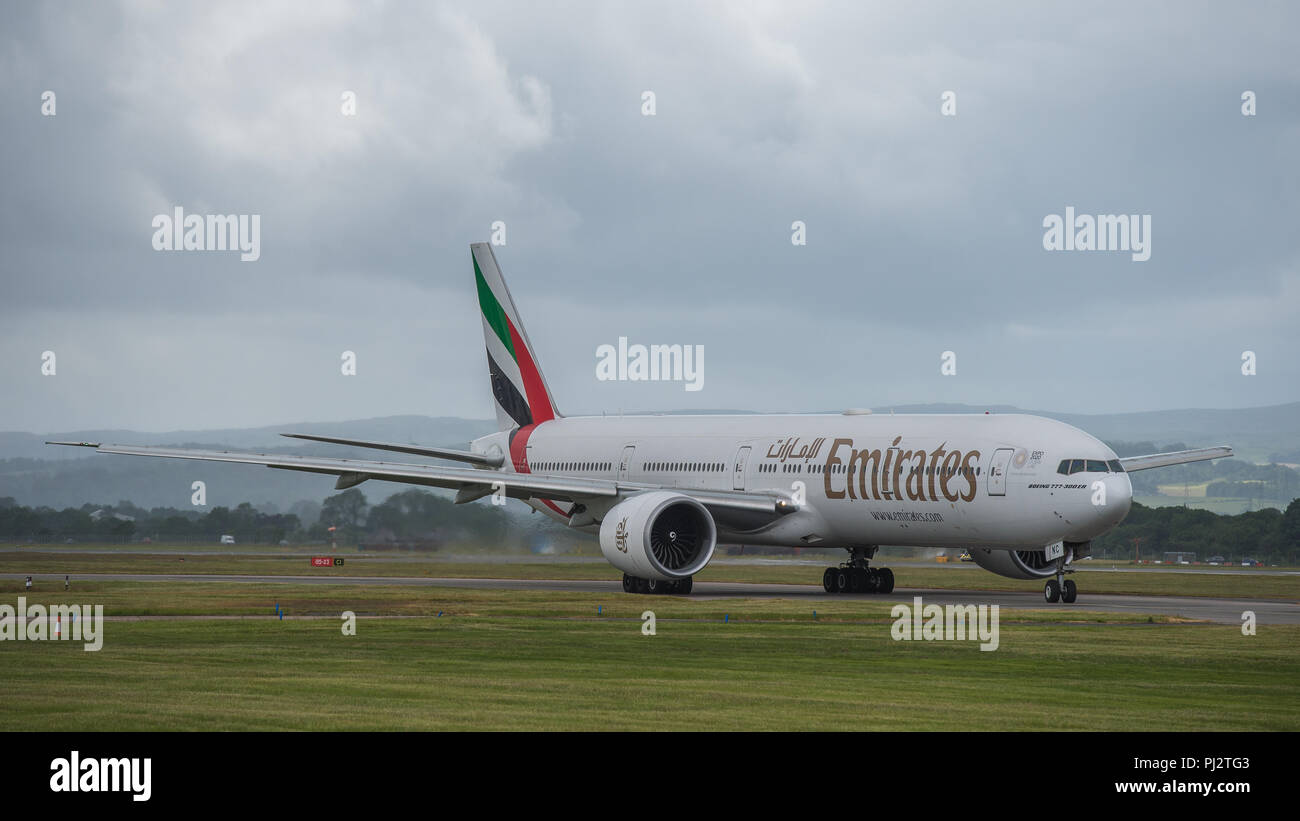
x: 856, y: 576
x: 1060, y: 589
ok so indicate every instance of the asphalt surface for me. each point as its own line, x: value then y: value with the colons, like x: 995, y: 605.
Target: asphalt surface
x: 1199, y: 608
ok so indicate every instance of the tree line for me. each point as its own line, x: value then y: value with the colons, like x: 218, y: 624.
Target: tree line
x: 410, y: 516
x: 1268, y: 535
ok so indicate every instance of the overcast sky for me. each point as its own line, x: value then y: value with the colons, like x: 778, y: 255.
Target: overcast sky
x: 924, y: 231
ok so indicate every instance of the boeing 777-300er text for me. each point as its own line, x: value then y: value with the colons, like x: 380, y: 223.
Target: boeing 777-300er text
x: 1024, y: 494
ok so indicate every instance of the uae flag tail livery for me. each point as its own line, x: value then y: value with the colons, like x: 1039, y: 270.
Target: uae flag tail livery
x: 518, y: 387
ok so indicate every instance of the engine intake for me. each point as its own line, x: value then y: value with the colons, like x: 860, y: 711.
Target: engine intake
x: 1025, y: 564
x: 658, y: 535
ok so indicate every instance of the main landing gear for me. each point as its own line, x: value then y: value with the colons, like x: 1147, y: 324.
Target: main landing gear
x: 680, y: 587
x: 855, y: 576
x: 1060, y: 589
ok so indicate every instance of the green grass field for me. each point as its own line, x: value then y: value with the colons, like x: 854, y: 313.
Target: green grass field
x: 212, y: 656
x: 522, y: 661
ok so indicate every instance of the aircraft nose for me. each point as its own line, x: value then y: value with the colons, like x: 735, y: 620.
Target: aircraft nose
x: 1113, y: 504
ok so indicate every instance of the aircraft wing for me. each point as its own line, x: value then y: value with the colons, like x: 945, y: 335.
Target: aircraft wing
x: 1178, y: 457
x: 472, y: 483
x: 438, y: 453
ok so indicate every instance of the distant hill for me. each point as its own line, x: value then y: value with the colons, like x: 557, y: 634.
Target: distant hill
x: 444, y: 430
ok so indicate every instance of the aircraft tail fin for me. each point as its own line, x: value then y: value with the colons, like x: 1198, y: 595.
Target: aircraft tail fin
x: 518, y: 387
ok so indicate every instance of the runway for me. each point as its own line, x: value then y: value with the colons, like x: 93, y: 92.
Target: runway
x: 1198, y: 608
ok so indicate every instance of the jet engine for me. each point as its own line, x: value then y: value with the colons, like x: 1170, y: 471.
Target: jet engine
x: 1025, y: 564
x: 658, y: 535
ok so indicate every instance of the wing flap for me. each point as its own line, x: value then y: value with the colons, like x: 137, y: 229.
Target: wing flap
x: 417, y: 450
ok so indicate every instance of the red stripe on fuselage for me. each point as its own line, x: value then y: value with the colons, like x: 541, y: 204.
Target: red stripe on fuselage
x: 519, y: 459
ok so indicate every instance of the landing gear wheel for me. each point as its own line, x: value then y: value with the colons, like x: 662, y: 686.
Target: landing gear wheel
x: 1069, y: 592
x: 828, y: 580
x: 654, y: 586
x: 629, y: 583
x: 684, y: 585
x: 886, y: 581
x: 842, y: 580
x: 1052, y: 591
x: 642, y: 586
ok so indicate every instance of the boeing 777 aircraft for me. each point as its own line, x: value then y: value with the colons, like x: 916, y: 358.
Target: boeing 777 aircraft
x: 1024, y: 494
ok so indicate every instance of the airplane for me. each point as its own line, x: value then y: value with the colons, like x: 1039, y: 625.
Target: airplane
x: 1025, y: 495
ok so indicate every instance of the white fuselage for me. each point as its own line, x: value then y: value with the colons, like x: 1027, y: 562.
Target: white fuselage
x: 864, y: 479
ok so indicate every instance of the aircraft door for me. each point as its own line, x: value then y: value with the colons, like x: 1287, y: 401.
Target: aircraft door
x: 998, y: 471
x: 625, y: 462
x: 738, y: 471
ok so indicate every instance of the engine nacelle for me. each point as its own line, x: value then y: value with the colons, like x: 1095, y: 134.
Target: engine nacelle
x: 658, y: 535
x: 1025, y: 564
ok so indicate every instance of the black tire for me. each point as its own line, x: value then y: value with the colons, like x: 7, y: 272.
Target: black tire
x: 684, y: 586
x: 828, y: 580
x: 857, y: 584
x: 629, y: 584
x: 886, y: 581
x: 654, y: 587
x: 1069, y: 592
x: 841, y: 580
x: 641, y: 586
x: 1052, y: 591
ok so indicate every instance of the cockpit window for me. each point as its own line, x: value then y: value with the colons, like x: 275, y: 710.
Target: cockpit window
x: 1072, y: 466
